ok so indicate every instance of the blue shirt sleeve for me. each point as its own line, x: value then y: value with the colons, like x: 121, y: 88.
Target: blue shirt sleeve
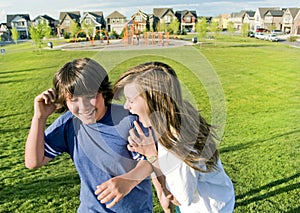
x: 55, y: 136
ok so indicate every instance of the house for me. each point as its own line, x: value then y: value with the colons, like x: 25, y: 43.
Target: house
x: 237, y: 19
x: 115, y: 22
x: 273, y: 20
x: 21, y: 22
x: 4, y: 32
x: 93, y: 21
x: 66, y: 19
x: 249, y: 19
x: 161, y: 15
x: 259, y: 16
x: 297, y: 24
x: 51, y: 22
x: 223, y: 20
x: 141, y: 21
x: 288, y: 20
x: 187, y: 20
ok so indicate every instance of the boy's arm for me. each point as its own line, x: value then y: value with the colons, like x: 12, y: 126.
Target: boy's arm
x: 118, y: 187
x: 34, y: 148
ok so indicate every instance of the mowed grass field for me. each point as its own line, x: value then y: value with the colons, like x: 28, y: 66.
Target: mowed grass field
x: 260, y: 148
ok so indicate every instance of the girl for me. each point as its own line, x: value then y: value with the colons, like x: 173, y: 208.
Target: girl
x: 186, y: 151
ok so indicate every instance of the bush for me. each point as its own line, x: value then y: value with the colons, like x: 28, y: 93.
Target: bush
x: 292, y: 38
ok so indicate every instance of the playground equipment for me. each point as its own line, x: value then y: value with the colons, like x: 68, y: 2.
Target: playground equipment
x: 132, y: 31
x: 93, y: 38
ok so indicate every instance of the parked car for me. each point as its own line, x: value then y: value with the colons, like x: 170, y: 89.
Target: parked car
x: 277, y: 32
x: 251, y: 34
x: 272, y: 37
x: 261, y: 30
x: 259, y: 35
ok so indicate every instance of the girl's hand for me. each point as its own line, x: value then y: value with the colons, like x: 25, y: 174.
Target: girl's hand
x: 44, y: 104
x: 114, y: 190
x: 141, y: 143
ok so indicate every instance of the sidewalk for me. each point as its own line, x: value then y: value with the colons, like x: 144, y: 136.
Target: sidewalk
x: 121, y: 45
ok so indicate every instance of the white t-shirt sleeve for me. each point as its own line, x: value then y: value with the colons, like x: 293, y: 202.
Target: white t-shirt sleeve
x: 181, y: 179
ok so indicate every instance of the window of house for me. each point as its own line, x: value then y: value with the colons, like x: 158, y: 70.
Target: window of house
x: 188, y: 19
x: 87, y: 21
x: 138, y: 18
x: 67, y: 22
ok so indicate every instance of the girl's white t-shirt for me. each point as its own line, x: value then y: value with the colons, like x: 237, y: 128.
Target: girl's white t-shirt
x: 196, y: 191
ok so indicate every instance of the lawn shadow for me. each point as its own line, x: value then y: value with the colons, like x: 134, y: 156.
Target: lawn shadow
x: 25, y: 70
x: 37, y: 188
x: 251, y: 143
x: 295, y: 210
x: 268, y: 194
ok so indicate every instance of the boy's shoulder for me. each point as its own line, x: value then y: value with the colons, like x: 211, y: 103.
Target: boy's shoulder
x: 118, y: 113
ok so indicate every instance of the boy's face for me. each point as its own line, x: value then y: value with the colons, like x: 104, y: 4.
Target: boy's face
x: 88, y: 109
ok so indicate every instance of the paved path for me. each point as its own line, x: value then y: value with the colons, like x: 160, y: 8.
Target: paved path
x: 120, y: 45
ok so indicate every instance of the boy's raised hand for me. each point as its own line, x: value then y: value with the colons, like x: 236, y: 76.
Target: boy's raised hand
x: 44, y: 104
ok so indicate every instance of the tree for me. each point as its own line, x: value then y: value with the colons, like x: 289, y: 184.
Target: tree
x: 230, y: 27
x: 214, y: 28
x: 74, y: 28
x: 174, y: 26
x: 15, y: 35
x: 89, y: 28
x: 245, y: 29
x: 201, y: 27
x: 38, y: 32
x: 161, y: 26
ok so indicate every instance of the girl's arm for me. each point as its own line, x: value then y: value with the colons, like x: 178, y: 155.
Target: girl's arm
x: 34, y: 147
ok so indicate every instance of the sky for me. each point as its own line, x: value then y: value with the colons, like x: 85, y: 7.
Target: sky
x: 128, y: 7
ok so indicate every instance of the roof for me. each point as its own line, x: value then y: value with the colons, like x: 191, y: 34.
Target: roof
x: 160, y: 12
x: 95, y: 14
x: 139, y: 12
x: 275, y: 13
x: 116, y: 14
x: 262, y: 11
x: 293, y: 11
x: 44, y: 17
x: 72, y: 14
x: 182, y: 13
x: 250, y: 13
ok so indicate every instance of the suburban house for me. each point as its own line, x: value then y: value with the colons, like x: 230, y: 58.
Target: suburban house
x: 66, y: 19
x: 161, y: 15
x: 51, y: 22
x: 249, y: 19
x: 115, y: 22
x: 141, y: 21
x: 273, y: 20
x: 237, y: 19
x: 187, y: 20
x: 4, y: 32
x: 297, y: 24
x: 288, y: 21
x: 259, y: 16
x: 223, y: 20
x: 93, y: 22
x: 21, y: 22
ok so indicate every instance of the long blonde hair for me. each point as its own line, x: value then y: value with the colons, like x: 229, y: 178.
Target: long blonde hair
x: 182, y: 129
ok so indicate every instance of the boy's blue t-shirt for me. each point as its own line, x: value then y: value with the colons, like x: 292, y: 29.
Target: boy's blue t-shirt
x: 99, y: 152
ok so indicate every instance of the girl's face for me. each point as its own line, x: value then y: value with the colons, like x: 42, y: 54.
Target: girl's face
x: 88, y: 109
x: 136, y: 104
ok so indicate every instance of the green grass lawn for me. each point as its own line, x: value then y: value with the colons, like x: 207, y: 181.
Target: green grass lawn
x: 250, y: 87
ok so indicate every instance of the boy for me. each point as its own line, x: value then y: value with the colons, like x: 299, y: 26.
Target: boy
x: 94, y: 133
